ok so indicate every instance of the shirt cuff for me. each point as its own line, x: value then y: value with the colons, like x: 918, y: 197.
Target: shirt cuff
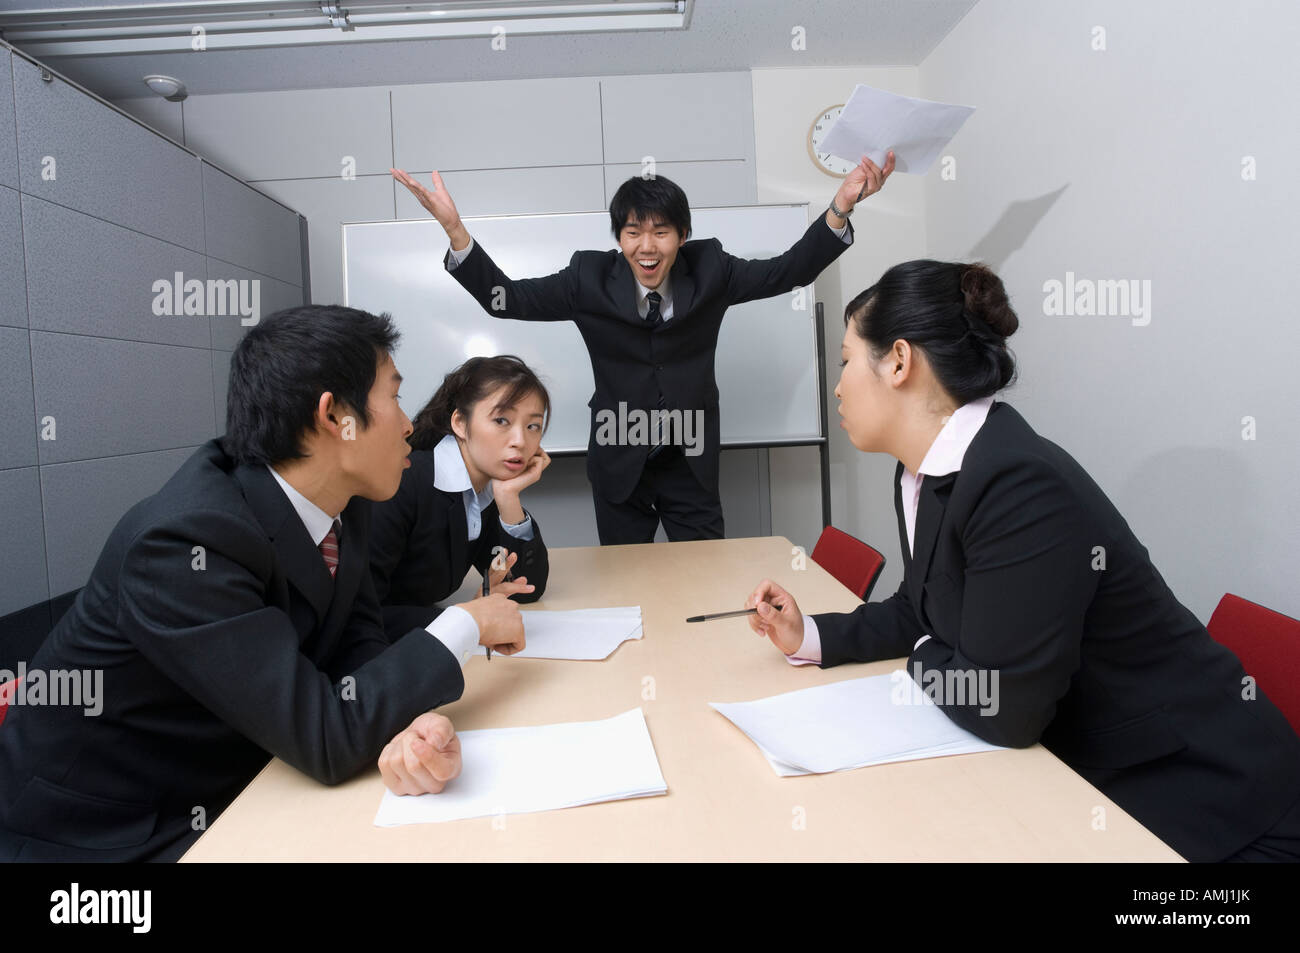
x: 919, y: 641
x: 456, y: 629
x: 842, y: 233
x: 521, y: 530
x: 810, y: 650
x: 454, y: 257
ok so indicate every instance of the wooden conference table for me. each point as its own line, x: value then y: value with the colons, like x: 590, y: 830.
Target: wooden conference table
x: 724, y: 802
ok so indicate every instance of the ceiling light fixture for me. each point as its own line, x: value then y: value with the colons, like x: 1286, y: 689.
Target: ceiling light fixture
x: 251, y: 24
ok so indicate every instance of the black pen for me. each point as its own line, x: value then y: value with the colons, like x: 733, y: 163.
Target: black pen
x: 728, y: 615
x: 487, y: 576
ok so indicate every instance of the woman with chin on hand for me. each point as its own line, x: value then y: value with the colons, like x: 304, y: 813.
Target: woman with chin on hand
x: 1020, y: 574
x: 476, y: 447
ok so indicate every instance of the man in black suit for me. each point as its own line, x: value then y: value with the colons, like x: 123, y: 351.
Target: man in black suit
x: 233, y: 617
x: 650, y: 314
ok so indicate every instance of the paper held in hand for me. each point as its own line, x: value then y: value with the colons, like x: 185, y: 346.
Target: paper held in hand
x: 874, y: 122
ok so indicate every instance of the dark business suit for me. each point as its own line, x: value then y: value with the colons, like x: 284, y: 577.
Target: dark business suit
x: 420, y: 551
x: 223, y: 641
x: 1104, y: 666
x: 634, y: 362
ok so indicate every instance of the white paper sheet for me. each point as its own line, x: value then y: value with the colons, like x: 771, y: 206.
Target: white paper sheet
x: 874, y: 122
x: 521, y: 770
x: 584, y: 634
x: 849, y: 724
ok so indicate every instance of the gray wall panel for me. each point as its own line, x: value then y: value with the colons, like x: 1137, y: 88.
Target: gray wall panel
x: 8, y: 146
x: 85, y: 500
x: 244, y: 228
x: 220, y: 387
x: 114, y: 397
x: 13, y: 284
x: 106, y: 164
x: 705, y: 183
x: 678, y: 117
x: 22, y: 544
x: 272, y: 296
x: 17, y: 411
x: 514, y: 192
x: 327, y: 204
x: 499, y: 125
x: 157, y: 113
x: 298, y: 133
x: 90, y: 277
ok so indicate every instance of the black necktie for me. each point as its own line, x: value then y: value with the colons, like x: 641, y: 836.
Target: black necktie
x: 653, y: 317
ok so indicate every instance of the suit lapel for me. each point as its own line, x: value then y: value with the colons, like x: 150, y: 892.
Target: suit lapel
x: 903, y: 547
x: 621, y: 287
x: 458, y: 527
x: 347, y: 578
x: 683, y: 287
x: 935, y: 491
x: 299, y: 559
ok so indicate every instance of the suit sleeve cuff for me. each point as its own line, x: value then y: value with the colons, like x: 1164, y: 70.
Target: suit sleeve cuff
x: 456, y: 629
x: 810, y: 650
x: 454, y: 257
x: 521, y: 530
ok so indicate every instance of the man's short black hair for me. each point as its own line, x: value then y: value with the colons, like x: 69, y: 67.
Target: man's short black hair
x: 655, y: 199
x: 282, y: 366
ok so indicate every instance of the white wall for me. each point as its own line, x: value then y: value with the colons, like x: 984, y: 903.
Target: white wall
x: 1127, y: 164
x: 888, y: 228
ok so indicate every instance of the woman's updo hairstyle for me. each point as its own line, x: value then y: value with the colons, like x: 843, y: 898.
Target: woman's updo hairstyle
x: 957, y: 314
x: 468, y: 384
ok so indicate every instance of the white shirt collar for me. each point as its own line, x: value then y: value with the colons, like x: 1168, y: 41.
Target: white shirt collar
x: 665, y: 292
x: 950, y: 446
x: 317, y: 521
x: 449, y: 472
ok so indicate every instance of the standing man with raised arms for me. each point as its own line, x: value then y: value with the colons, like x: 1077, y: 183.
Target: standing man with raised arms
x: 650, y: 314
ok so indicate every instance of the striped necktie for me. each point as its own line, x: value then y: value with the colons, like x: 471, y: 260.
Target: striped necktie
x: 329, y: 548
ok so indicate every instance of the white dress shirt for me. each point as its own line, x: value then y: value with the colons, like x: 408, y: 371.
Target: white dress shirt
x: 455, y: 628
x: 451, y: 476
x: 944, y: 456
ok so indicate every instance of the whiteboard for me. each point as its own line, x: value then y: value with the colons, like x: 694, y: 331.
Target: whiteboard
x: 766, y: 360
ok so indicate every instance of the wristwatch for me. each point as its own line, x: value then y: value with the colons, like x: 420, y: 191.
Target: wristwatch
x: 838, y: 213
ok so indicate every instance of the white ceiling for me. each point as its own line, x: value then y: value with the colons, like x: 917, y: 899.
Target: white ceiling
x: 723, y: 35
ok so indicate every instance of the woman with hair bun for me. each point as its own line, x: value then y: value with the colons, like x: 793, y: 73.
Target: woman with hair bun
x: 476, y: 446
x: 1020, y: 577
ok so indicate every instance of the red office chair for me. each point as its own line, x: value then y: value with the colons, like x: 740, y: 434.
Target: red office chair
x: 7, y: 692
x: 1268, y: 644
x: 855, y: 564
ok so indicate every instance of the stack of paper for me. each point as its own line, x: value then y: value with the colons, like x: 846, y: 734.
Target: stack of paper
x: 850, y: 724
x: 520, y: 770
x: 588, y: 634
x: 874, y: 122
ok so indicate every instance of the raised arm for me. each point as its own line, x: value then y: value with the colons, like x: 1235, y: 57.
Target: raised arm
x: 821, y: 244
x: 549, y: 298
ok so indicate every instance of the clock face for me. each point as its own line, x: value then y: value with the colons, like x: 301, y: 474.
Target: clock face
x: 831, y: 165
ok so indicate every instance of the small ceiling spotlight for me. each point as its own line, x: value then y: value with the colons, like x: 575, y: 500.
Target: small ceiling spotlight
x: 168, y: 87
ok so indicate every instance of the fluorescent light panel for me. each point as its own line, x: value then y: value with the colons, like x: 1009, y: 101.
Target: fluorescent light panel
x: 167, y: 28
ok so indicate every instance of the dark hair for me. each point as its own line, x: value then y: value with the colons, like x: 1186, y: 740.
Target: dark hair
x: 957, y: 314
x: 283, y: 364
x: 648, y: 200
x: 464, y: 387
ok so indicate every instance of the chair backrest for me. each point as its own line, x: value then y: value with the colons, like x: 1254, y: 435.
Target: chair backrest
x: 855, y: 564
x: 1268, y: 645
x: 7, y: 692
